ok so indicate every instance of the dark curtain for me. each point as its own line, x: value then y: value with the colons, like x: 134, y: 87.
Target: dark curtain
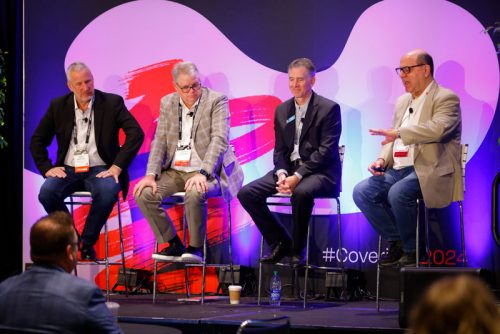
x: 11, y: 157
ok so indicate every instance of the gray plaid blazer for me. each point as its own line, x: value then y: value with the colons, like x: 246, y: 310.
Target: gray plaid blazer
x: 210, y: 136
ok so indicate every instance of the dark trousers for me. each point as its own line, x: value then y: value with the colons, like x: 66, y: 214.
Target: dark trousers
x: 253, y: 199
x: 104, y: 196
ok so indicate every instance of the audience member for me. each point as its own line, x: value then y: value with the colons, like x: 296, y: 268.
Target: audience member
x: 456, y: 305
x: 47, y: 296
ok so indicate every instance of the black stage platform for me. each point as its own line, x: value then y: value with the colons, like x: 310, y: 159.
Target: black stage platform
x: 137, y: 314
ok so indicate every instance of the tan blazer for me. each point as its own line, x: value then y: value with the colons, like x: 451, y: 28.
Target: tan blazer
x: 437, y: 140
x: 210, y: 136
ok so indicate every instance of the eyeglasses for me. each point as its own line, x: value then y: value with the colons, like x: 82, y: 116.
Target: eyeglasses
x: 406, y: 69
x: 195, y: 87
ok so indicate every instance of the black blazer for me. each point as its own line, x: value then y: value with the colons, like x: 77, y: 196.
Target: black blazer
x: 110, y: 115
x: 319, y: 138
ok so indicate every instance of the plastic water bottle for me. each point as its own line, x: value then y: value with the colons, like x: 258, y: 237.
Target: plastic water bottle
x: 275, y: 299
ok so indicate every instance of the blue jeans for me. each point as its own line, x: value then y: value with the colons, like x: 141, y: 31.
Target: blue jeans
x: 104, y: 196
x: 389, y: 204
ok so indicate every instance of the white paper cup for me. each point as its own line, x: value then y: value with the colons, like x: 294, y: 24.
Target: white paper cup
x: 234, y: 294
x: 113, y: 307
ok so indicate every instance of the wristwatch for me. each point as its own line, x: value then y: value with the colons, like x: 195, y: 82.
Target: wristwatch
x: 204, y: 173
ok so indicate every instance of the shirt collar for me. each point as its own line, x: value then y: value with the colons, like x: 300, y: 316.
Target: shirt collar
x: 89, y: 106
x: 184, y: 107
x: 304, y: 106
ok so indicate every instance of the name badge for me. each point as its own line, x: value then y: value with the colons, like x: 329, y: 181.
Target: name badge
x: 400, y: 154
x: 400, y: 150
x: 182, y: 157
x: 81, y: 161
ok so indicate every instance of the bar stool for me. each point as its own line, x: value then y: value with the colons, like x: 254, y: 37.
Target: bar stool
x: 85, y: 198
x: 272, y: 202
x: 463, y: 159
x: 178, y: 199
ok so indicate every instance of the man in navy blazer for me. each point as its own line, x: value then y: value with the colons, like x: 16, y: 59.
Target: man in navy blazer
x: 306, y: 163
x: 47, y: 296
x: 86, y: 125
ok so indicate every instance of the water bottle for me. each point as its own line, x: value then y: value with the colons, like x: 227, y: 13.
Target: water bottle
x: 275, y: 299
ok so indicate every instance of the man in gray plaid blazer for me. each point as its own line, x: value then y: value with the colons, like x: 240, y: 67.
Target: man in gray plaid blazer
x: 192, y: 139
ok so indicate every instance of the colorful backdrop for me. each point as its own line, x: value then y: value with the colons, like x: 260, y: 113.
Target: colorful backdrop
x: 242, y: 49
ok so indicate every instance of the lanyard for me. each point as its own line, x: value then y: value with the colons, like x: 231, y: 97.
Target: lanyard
x: 89, y: 127
x: 193, y: 114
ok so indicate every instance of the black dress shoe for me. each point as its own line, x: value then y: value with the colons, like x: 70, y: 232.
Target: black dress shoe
x: 297, y: 261
x: 87, y: 253
x: 392, y: 257
x: 279, y: 251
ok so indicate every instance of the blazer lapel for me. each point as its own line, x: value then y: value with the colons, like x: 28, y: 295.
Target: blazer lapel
x: 426, y: 113
x: 401, y: 111
x: 68, y: 115
x: 199, y: 111
x: 98, y: 116
x: 173, y: 136
x: 290, y: 125
x: 312, y: 109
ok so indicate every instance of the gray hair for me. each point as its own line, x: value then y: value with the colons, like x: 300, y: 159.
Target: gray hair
x: 306, y: 62
x: 185, y: 67
x: 76, y: 67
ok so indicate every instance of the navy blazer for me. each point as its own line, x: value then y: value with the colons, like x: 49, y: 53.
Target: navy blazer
x: 46, y: 297
x: 110, y: 115
x: 319, y: 138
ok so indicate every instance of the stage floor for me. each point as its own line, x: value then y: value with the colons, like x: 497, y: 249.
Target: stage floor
x: 218, y: 316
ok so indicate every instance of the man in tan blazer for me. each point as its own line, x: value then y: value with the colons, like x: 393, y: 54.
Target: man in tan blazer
x: 190, y: 152
x: 420, y: 158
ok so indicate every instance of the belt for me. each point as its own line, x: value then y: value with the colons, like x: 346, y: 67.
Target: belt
x: 297, y: 162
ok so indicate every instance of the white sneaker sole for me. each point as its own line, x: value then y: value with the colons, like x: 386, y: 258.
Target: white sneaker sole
x: 169, y: 258
x: 191, y: 258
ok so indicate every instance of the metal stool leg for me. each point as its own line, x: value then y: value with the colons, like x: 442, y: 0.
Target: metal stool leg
x: 417, y: 240
x: 462, y: 232
x: 427, y: 242
x: 155, y: 270
x: 340, y: 259
x: 377, y: 294
x: 307, y: 262
x: 78, y: 234
x: 260, y: 270
x: 230, y: 232
x: 186, y: 274
x: 122, y: 247
x: 204, y: 270
x: 106, y: 258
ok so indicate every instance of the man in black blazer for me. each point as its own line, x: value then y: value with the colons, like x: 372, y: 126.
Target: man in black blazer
x: 306, y: 163
x: 86, y: 124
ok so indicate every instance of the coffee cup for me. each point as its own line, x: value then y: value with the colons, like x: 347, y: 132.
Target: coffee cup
x: 234, y: 294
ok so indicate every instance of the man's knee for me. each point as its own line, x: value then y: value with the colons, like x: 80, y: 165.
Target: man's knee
x: 47, y: 194
x: 146, y: 195
x: 244, y: 194
x: 301, y: 195
x: 358, y: 192
x: 194, y: 196
x: 398, y: 196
